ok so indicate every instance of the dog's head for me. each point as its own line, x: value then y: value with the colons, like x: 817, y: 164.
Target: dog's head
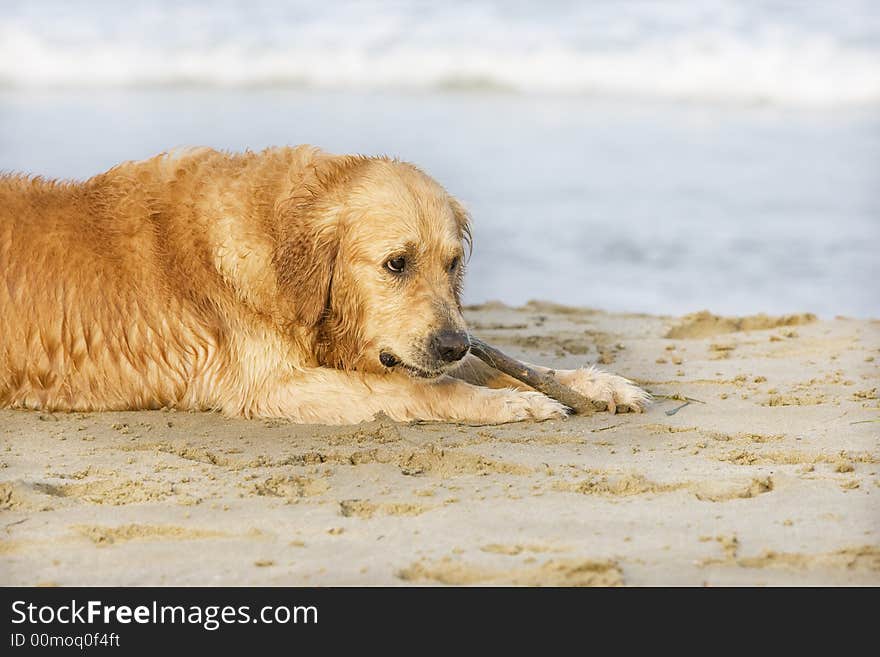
x: 372, y: 255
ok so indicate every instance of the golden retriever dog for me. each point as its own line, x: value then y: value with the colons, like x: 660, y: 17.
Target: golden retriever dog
x: 288, y: 283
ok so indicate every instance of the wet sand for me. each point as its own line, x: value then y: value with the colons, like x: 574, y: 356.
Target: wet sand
x: 769, y: 475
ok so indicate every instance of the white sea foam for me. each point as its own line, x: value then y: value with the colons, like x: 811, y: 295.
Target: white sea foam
x: 725, y: 51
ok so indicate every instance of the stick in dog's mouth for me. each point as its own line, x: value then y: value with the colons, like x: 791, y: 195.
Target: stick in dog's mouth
x: 545, y: 383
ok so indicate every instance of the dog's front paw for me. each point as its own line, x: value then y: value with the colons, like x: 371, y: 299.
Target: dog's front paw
x: 619, y: 394
x: 514, y: 406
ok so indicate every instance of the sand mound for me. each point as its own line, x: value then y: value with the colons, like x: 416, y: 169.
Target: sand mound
x: 537, y: 305
x: 722, y: 491
x: 373, y: 432
x: 444, y: 463
x: 23, y: 496
x: 112, y: 492
x: 555, y: 572
x: 430, y: 460
x: 367, y: 509
x: 861, y: 557
x: 636, y: 484
x: 290, y: 487
x: 100, y: 535
x: 704, y: 324
x: 624, y: 486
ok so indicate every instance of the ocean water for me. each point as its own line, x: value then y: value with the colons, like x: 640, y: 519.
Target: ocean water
x: 640, y: 156
x: 785, y: 51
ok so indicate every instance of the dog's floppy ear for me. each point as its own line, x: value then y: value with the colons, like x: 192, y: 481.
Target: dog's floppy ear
x: 463, y: 225
x: 463, y: 222
x: 309, y: 234
x: 304, y: 262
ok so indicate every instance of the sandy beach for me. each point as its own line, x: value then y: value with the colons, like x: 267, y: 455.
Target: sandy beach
x: 759, y: 463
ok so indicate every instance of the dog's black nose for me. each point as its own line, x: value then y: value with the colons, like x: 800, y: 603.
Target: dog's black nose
x: 450, y: 346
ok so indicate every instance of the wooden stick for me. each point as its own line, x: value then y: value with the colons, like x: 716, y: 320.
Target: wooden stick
x: 542, y: 382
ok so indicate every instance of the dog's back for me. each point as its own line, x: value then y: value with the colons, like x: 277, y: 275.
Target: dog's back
x: 103, y: 301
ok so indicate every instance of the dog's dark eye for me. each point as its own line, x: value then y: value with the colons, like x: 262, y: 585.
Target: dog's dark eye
x: 396, y: 265
x: 454, y: 264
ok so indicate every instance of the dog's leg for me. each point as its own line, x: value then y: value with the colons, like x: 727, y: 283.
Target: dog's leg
x: 616, y: 391
x: 329, y: 396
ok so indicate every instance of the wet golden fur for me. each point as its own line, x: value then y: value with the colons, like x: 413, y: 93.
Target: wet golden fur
x: 252, y: 284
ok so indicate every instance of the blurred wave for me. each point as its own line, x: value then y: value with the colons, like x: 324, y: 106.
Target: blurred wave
x: 720, y: 51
